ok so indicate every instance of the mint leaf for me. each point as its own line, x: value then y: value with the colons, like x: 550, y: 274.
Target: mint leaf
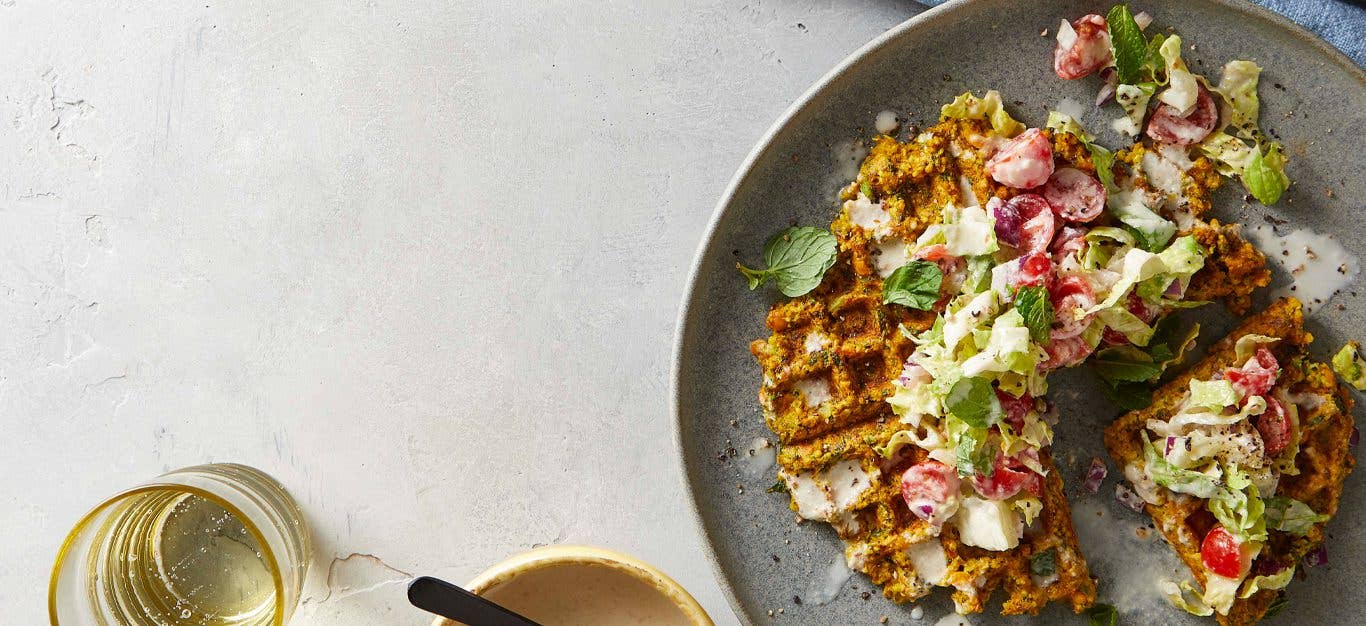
x: 1125, y: 363
x: 1265, y: 176
x: 1128, y: 396
x: 1037, y: 310
x: 974, y: 401
x: 1128, y: 44
x: 915, y: 285
x: 797, y: 260
x: 1127, y: 370
x: 1102, y: 615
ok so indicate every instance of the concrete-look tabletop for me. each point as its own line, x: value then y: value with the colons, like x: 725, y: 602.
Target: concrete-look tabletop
x: 420, y: 260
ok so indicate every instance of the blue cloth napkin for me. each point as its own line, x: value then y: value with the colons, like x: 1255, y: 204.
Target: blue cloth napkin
x: 1338, y: 22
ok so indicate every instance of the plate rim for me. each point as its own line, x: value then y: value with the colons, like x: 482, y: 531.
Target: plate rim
x: 682, y: 327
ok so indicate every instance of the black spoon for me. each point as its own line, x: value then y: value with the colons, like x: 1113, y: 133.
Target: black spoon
x: 438, y: 596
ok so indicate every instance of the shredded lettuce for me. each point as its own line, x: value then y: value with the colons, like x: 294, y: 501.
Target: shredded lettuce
x: 900, y: 439
x: 1238, y: 86
x: 1174, y: 478
x: 1350, y: 366
x: 1134, y: 100
x: 1185, y: 597
x: 1118, y: 235
x: 1154, y: 231
x: 1261, y: 168
x: 1183, y: 88
x: 960, y: 321
x: 1239, y: 508
x: 1212, y: 394
x: 969, y: 231
x: 1265, y: 176
x: 1246, y: 346
x: 979, y: 274
x: 932, y: 440
x: 1183, y: 258
x: 1064, y: 123
x: 989, y: 107
x: 1275, y: 581
x: 1133, y: 267
x: 1220, y: 592
x: 1007, y: 349
x: 1291, y: 516
x: 915, y: 400
x: 1137, y: 267
x: 1196, y: 448
x: 1101, y: 244
x: 1229, y: 154
x: 1123, y: 321
x: 1198, y: 416
x: 1029, y: 507
x: 1036, y: 434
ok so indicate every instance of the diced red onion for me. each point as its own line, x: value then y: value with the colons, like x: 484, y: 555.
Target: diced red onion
x: 1355, y: 438
x: 1007, y: 221
x: 925, y: 511
x: 1095, y: 474
x: 1266, y: 567
x: 1171, y: 443
x: 1175, y: 290
x: 1128, y: 497
x: 1317, y: 558
x: 1107, y: 88
x: 1143, y: 19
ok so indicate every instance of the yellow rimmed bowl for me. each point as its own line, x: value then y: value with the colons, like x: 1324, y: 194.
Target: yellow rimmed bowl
x: 500, y: 577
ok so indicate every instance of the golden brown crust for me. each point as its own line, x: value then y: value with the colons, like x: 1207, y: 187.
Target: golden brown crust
x: 859, y: 349
x: 1233, y: 269
x: 842, y: 334
x: 1323, y: 461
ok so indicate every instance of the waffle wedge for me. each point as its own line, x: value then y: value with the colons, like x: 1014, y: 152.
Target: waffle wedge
x: 1323, y: 462
x: 830, y: 364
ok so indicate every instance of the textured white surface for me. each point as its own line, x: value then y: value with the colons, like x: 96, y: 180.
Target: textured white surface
x: 420, y: 260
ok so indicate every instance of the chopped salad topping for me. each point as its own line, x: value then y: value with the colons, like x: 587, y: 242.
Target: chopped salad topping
x: 1229, y: 442
x: 1062, y: 268
x: 1187, y: 110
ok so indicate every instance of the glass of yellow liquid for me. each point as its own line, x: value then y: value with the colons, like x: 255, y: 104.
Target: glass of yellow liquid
x: 210, y: 545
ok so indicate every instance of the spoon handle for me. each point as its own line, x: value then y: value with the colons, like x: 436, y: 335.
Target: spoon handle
x: 438, y: 596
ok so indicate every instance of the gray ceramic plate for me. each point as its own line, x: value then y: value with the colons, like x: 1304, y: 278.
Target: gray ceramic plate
x: 1312, y: 96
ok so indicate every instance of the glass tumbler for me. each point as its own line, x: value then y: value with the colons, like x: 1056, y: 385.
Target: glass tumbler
x: 210, y: 545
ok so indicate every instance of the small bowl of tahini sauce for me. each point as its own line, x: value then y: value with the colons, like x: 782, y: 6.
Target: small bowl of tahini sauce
x: 586, y: 586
